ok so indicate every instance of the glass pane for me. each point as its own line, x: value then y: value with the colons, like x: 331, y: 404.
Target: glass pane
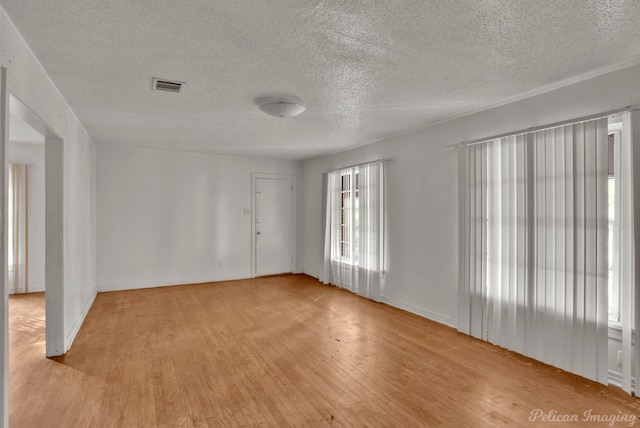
x: 614, y: 290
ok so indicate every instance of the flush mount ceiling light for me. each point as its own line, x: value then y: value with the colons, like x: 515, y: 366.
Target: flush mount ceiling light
x: 282, y: 109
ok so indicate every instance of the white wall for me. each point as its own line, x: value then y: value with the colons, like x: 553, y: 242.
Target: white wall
x: 421, y: 222
x: 79, y: 226
x: 33, y: 154
x: 166, y: 218
x: 422, y: 271
x: 29, y: 82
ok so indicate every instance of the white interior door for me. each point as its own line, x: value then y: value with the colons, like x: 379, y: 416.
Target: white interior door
x: 274, y: 226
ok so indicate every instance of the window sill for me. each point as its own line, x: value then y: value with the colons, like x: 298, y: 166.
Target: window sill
x: 345, y: 262
x: 615, y: 332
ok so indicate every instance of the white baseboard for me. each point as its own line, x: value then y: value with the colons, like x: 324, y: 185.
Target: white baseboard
x: 615, y: 379
x: 36, y: 288
x: 139, y: 285
x: 32, y: 289
x: 450, y: 322
x: 76, y: 326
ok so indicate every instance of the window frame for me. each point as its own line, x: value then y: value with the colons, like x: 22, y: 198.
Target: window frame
x: 614, y: 289
x: 349, y: 222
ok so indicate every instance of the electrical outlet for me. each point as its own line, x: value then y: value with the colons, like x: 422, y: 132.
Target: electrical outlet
x: 619, y: 358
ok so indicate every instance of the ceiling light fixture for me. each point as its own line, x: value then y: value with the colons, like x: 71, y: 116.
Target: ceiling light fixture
x: 282, y: 109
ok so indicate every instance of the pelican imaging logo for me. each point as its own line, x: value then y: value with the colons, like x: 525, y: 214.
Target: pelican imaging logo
x: 556, y: 417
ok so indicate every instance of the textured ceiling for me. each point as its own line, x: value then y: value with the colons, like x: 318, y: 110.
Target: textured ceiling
x: 365, y: 69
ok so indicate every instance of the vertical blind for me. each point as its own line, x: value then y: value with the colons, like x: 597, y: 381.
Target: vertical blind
x: 534, y: 245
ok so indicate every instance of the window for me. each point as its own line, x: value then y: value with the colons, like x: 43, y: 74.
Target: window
x: 614, y: 292
x: 349, y: 217
x: 354, y: 229
x: 534, y: 259
x: 615, y: 127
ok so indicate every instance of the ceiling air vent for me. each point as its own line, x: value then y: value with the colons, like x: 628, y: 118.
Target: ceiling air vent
x: 167, y: 85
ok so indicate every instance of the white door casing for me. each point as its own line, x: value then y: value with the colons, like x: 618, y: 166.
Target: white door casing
x: 273, y: 224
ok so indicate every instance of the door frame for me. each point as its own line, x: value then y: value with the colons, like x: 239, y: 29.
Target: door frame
x: 41, y: 119
x: 54, y: 219
x: 254, y: 177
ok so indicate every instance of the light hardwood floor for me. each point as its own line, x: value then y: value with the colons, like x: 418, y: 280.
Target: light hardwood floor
x: 278, y: 351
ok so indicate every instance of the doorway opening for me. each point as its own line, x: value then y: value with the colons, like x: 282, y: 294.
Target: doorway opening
x: 25, y: 232
x: 25, y: 208
x: 33, y: 201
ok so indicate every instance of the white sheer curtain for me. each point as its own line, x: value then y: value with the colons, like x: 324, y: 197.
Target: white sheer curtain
x: 354, y: 229
x: 371, y: 240
x: 18, y: 227
x: 534, y: 245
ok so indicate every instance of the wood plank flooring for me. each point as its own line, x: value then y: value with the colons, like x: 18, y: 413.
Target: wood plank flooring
x: 279, y: 351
